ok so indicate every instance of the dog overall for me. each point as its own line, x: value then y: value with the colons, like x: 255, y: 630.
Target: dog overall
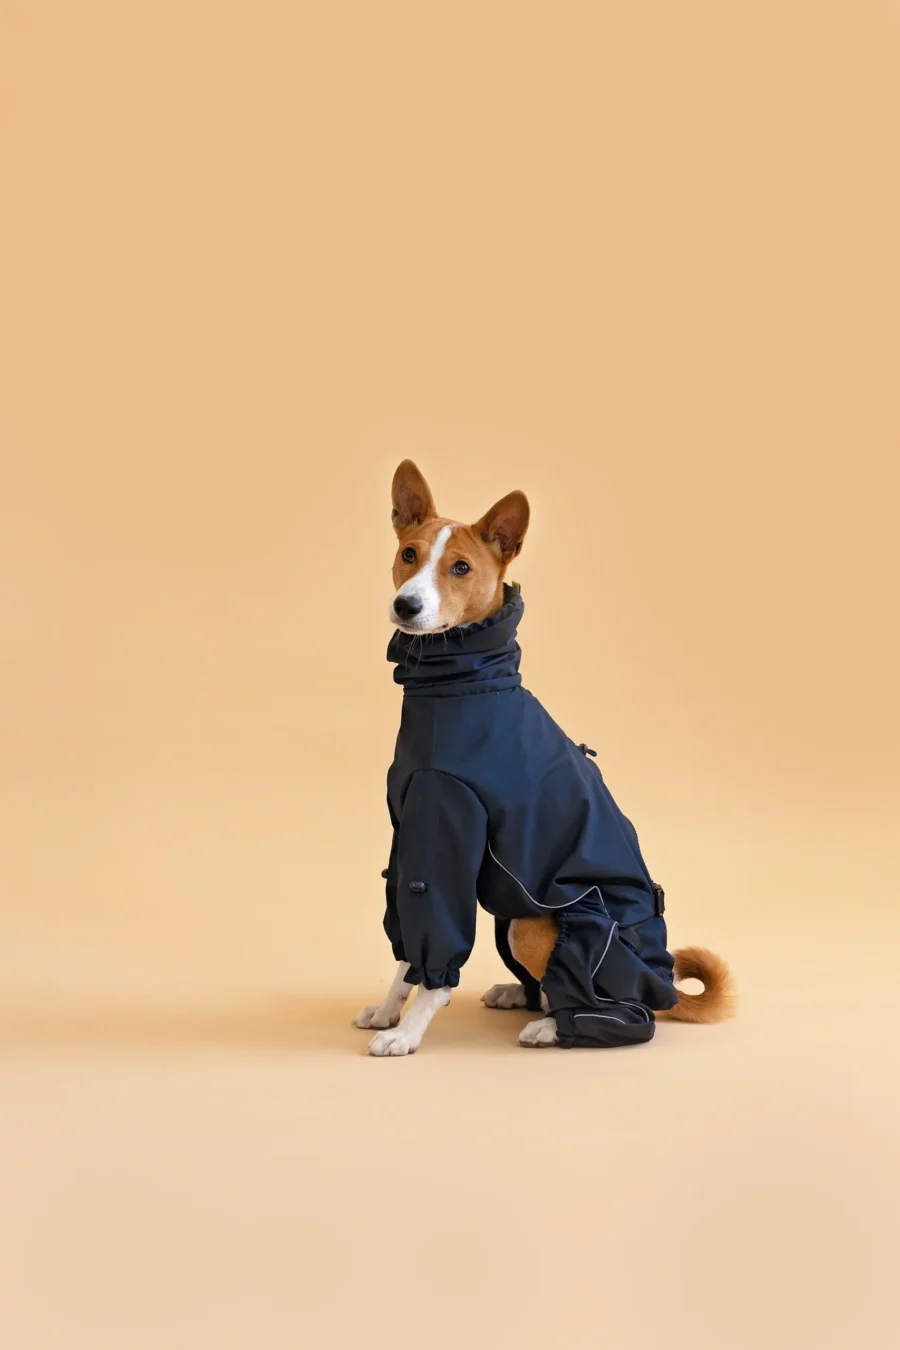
x: 491, y: 803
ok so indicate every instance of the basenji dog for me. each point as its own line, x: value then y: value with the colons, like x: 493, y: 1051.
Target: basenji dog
x: 491, y: 803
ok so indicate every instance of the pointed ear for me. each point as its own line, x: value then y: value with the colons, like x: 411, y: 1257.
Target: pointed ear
x: 410, y: 497
x: 503, y: 527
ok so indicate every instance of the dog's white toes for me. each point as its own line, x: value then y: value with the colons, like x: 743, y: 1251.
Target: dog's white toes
x: 540, y: 1033
x: 396, y: 1042
x: 376, y: 1015
x: 504, y: 996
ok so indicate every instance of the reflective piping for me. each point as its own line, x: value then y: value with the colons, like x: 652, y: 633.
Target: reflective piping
x: 537, y: 902
x: 612, y: 933
x: 604, y: 1017
x: 622, y: 1003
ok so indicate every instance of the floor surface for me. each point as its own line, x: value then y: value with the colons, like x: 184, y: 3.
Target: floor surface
x: 236, y: 1173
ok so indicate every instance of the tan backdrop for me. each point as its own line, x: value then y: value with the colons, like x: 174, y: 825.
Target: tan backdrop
x: 638, y: 260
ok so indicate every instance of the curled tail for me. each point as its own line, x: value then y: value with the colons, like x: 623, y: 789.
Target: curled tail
x: 718, y: 1000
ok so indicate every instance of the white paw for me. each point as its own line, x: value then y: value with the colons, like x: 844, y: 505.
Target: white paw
x: 540, y: 1033
x: 504, y: 996
x: 377, y: 1015
x: 396, y: 1042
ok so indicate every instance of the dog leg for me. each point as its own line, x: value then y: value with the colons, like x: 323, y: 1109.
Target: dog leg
x: 504, y: 996
x: 386, y: 1014
x: 405, y: 1040
x: 540, y: 1033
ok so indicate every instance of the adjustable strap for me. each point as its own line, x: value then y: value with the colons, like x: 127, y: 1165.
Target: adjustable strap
x: 633, y: 938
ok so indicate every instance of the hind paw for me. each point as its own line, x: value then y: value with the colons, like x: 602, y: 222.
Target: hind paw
x: 504, y: 996
x: 540, y: 1033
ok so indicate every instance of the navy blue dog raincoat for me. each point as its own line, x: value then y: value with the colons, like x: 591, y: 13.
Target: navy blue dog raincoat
x: 491, y: 802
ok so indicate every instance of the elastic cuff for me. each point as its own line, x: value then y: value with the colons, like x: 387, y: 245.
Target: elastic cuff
x: 433, y: 977
x: 554, y: 983
x: 618, y: 1024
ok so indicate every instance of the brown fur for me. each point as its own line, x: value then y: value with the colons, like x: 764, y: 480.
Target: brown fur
x: 718, y: 1000
x: 489, y: 546
x: 532, y: 940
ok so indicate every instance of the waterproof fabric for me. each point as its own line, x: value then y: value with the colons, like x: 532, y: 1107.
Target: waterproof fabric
x: 491, y: 803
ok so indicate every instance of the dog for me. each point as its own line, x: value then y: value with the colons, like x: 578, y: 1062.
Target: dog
x: 492, y: 804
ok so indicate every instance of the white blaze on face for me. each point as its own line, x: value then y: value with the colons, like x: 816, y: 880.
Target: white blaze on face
x: 423, y: 586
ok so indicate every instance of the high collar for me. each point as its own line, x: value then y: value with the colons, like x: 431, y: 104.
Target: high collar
x: 482, y: 658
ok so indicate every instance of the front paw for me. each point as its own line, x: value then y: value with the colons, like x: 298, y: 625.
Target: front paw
x: 376, y: 1015
x: 504, y: 996
x: 396, y: 1042
x: 540, y: 1033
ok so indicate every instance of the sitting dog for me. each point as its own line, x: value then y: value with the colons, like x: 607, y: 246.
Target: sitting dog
x: 491, y: 803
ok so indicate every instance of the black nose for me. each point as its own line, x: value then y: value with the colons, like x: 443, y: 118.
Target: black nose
x: 406, y: 606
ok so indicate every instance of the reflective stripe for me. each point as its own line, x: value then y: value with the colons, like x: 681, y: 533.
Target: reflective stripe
x: 537, y: 902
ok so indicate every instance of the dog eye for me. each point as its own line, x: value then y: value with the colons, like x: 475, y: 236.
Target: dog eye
x: 408, y: 555
x: 459, y: 569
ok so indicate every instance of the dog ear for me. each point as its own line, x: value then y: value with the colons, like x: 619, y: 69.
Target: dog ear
x: 503, y: 527
x: 411, y: 498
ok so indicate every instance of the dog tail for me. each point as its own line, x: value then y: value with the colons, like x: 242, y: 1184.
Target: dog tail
x: 718, y: 1000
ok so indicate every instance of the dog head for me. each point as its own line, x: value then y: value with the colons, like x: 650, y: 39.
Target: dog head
x: 447, y: 574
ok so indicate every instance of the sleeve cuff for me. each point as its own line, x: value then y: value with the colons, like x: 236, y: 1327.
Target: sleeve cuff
x: 433, y: 977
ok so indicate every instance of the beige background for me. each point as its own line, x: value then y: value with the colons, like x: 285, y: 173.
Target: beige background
x: 640, y: 260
